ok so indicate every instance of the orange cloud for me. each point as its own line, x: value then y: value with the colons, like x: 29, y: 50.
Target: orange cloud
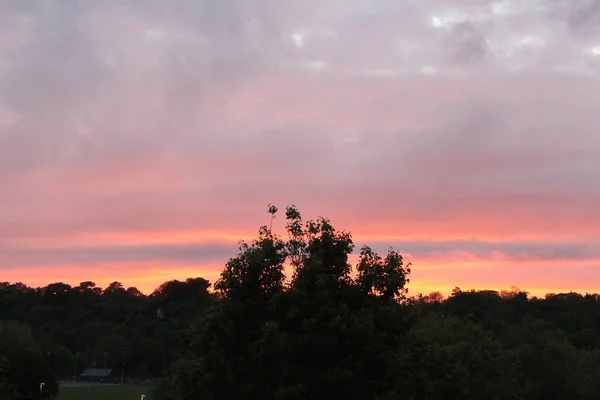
x: 432, y: 270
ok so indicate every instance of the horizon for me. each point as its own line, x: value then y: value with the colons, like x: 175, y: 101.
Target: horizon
x: 140, y: 141
x: 149, y: 288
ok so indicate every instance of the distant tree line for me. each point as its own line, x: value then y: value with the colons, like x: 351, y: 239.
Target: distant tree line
x: 70, y: 329
x: 329, y: 330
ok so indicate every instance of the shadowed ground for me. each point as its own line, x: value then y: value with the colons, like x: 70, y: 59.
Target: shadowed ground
x: 102, y: 392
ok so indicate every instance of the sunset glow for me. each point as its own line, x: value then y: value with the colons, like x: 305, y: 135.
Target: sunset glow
x: 463, y: 134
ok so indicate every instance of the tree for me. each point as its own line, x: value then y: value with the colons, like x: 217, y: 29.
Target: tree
x: 310, y: 339
x: 318, y: 253
x: 327, y: 330
x: 7, y: 391
x: 443, y: 357
x: 385, y: 279
x: 549, y: 363
x: 22, y: 366
x: 256, y: 274
x: 588, y: 374
x: 62, y: 362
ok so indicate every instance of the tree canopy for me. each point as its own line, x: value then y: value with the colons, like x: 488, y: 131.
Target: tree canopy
x: 291, y: 318
x: 332, y: 330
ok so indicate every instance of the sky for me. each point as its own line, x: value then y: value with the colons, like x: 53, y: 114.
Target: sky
x: 140, y: 140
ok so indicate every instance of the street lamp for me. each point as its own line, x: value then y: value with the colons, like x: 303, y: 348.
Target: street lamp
x: 76, y: 357
x: 122, y: 367
x: 105, y: 353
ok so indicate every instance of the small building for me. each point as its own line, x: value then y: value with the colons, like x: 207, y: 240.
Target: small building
x: 100, y: 375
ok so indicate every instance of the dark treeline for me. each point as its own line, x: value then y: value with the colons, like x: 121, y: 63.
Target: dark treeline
x: 327, y: 331
x: 85, y: 326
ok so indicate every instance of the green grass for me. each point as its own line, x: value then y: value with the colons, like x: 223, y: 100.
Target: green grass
x: 100, y: 392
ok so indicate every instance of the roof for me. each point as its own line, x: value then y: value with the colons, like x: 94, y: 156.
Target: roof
x: 96, y: 372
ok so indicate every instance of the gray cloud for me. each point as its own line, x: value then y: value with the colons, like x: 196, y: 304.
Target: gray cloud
x: 501, y: 251
x: 219, y: 253
x: 584, y: 17
x: 153, y: 116
x: 88, y: 256
x: 466, y: 44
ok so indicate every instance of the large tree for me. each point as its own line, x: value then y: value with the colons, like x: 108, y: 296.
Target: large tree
x: 318, y: 336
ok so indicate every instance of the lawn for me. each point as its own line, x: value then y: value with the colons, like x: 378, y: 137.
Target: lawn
x: 101, y: 392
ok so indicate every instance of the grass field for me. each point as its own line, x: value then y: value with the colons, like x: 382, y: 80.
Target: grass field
x: 100, y: 392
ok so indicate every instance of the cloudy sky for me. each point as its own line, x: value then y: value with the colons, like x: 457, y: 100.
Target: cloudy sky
x: 139, y: 140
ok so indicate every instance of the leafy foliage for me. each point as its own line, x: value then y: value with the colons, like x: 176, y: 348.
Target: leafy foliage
x: 291, y: 318
x: 22, y: 366
x: 383, y: 278
x: 77, y: 327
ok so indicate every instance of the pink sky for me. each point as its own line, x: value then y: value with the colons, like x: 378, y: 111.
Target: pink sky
x: 140, y: 140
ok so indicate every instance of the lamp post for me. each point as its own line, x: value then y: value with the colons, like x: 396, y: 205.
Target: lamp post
x: 122, y: 367
x: 76, y: 357
x: 94, y: 372
x: 105, y: 353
